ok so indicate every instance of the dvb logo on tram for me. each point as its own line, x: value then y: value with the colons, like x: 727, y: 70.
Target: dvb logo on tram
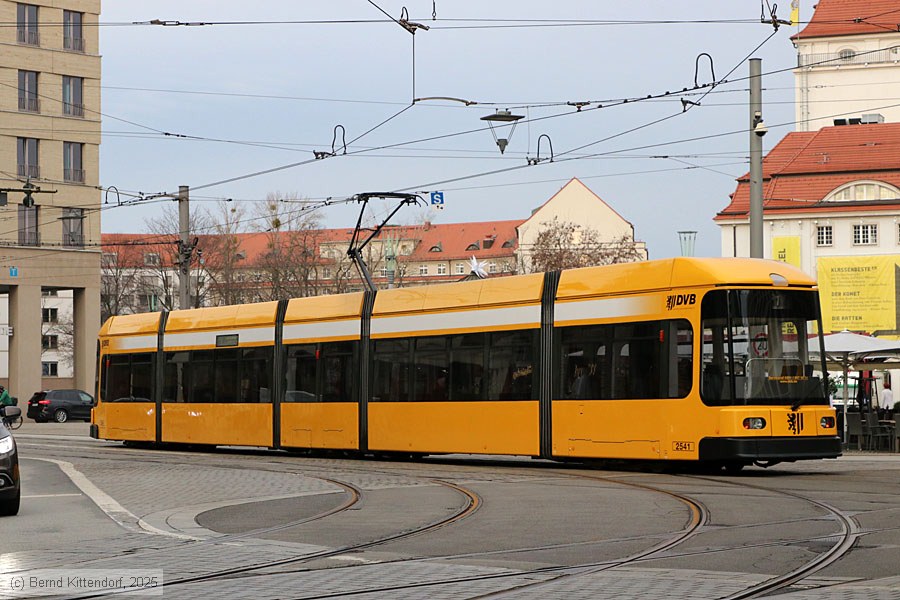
x: 674, y: 300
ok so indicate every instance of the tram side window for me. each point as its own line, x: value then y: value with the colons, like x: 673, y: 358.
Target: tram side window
x: 256, y: 375
x: 202, y: 388
x: 651, y: 359
x: 177, y: 377
x: 391, y: 371
x: 511, y: 365
x: 337, y: 371
x: 320, y: 372
x: 226, y: 375
x: 301, y: 373
x: 586, y: 362
x: 128, y: 377
x: 467, y: 366
x: 432, y: 369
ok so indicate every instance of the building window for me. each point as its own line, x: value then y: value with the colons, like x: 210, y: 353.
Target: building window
x: 49, y: 369
x: 492, y: 268
x: 506, y: 267
x: 151, y: 259
x: 866, y: 190
x: 73, y: 96
x: 27, y: 158
x: 28, y: 92
x: 73, y: 38
x: 442, y: 269
x: 27, y: 25
x: 472, y: 246
x: 326, y: 273
x: 423, y: 269
x: 460, y: 269
x: 383, y: 271
x: 865, y: 235
x: 50, y: 293
x: 50, y: 342
x: 73, y: 227
x: 847, y: 54
x: 49, y: 315
x: 28, y: 226
x: 823, y: 235
x: 436, y: 248
x: 149, y: 302
x: 109, y: 260
x: 73, y: 168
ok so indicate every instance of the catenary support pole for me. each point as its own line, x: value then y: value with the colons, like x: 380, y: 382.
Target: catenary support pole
x: 184, y: 248
x: 757, y: 131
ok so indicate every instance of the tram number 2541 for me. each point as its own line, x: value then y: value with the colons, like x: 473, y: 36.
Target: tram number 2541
x: 683, y: 446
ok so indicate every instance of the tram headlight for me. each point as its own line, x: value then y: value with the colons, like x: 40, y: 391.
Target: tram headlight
x: 754, y: 423
x: 826, y: 423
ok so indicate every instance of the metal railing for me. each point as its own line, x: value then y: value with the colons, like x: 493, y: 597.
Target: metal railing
x: 29, y: 238
x: 29, y: 171
x: 73, y: 175
x: 73, y: 110
x: 28, y: 37
x: 32, y: 105
x: 73, y: 240
x: 836, y: 59
x: 75, y: 44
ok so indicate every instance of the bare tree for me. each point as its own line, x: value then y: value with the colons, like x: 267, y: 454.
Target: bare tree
x: 566, y: 245
x: 291, y: 265
x: 119, y: 280
x: 221, y: 257
x: 161, y: 276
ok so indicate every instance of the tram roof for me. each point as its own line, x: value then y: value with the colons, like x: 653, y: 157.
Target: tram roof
x: 673, y: 273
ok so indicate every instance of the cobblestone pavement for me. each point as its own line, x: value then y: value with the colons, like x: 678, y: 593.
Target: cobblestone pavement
x: 164, y: 497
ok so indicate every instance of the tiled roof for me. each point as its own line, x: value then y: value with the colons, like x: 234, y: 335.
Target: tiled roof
x: 804, y: 167
x: 455, y: 240
x: 851, y: 17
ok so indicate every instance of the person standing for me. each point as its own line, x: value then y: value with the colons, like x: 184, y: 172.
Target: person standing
x: 5, y: 400
x: 887, y: 397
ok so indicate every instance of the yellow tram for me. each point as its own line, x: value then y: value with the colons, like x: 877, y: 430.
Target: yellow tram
x: 684, y: 359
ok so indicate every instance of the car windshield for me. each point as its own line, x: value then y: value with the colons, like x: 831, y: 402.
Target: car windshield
x: 757, y: 345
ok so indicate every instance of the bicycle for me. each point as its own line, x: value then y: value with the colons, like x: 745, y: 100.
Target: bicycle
x: 14, y: 422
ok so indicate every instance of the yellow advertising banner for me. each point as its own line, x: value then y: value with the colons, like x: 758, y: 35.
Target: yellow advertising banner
x: 787, y: 249
x: 859, y: 293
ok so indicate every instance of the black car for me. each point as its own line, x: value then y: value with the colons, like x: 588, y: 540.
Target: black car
x: 60, y: 405
x: 10, y: 490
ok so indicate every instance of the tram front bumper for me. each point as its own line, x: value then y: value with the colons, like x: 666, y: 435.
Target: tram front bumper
x: 770, y: 448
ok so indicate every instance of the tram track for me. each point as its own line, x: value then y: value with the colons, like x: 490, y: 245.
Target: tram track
x: 472, y: 502
x: 846, y: 537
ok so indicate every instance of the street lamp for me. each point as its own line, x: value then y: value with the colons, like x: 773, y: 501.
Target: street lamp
x: 687, y: 239
x: 503, y: 117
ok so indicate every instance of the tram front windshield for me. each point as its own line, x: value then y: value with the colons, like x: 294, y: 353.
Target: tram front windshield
x: 757, y: 347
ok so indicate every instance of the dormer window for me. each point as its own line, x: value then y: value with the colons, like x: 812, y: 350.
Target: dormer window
x: 862, y: 191
x: 436, y: 248
x: 509, y: 243
x: 487, y: 243
x: 151, y: 259
x: 473, y: 246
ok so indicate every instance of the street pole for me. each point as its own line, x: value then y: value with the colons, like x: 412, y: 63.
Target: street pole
x: 184, y: 249
x: 757, y: 131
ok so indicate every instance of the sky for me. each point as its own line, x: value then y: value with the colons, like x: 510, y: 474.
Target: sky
x: 267, y: 84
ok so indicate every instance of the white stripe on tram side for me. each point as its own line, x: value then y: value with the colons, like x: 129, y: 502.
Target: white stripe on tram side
x: 135, y: 342
x: 296, y: 332
x: 607, y: 308
x: 526, y: 316
x: 250, y: 335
